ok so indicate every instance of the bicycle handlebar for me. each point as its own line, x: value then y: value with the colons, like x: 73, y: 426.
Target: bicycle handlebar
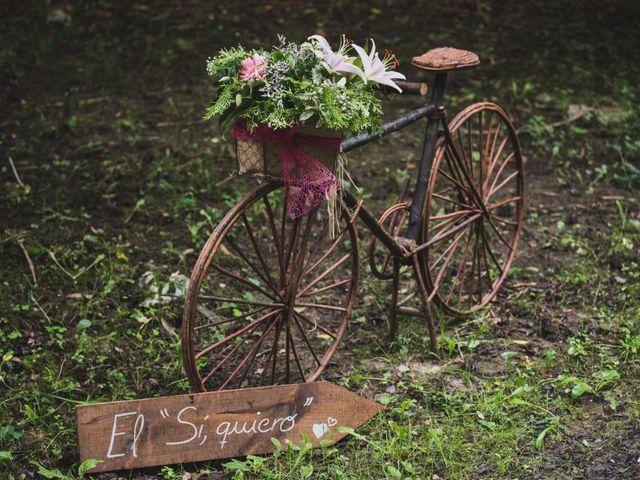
x: 408, y: 88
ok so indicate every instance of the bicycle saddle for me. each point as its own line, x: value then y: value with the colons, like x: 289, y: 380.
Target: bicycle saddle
x: 445, y: 59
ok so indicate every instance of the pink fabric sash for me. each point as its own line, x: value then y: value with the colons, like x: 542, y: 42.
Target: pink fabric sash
x: 308, y: 182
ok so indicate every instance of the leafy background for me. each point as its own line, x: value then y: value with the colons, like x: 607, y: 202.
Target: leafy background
x: 118, y: 182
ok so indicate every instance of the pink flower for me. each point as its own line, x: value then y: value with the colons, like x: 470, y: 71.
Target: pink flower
x: 253, y: 67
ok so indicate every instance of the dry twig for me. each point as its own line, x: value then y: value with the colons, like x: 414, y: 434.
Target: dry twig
x: 31, y: 267
x: 15, y: 172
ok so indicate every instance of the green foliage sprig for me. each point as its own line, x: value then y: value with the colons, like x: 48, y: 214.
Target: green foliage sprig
x: 291, y: 84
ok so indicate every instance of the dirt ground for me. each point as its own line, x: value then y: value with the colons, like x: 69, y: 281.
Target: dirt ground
x: 106, y: 168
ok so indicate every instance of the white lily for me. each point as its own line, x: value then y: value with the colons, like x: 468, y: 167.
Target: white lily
x: 375, y: 69
x: 338, y: 61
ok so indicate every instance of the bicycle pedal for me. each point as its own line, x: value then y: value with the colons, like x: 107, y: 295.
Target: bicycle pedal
x: 408, y: 244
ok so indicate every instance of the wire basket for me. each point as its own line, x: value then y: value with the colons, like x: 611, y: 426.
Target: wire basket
x: 259, y: 159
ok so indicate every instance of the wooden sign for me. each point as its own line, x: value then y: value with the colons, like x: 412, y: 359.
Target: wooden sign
x: 207, y: 426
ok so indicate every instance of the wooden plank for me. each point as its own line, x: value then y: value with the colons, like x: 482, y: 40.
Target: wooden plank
x: 207, y: 426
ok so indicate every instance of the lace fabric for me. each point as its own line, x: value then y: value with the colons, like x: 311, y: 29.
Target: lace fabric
x: 302, y: 158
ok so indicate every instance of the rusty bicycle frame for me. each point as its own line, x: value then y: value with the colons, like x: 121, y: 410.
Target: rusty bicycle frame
x: 405, y: 248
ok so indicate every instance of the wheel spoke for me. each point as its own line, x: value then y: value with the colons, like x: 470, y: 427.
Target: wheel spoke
x: 491, y: 157
x: 306, y: 339
x: 463, y: 263
x: 502, y: 184
x: 437, y: 245
x: 322, y: 306
x: 314, y: 249
x: 451, y: 250
x: 331, y: 248
x: 293, y: 240
x: 298, y: 258
x: 344, y: 258
x: 485, y: 158
x: 480, y: 155
x: 295, y: 354
x: 486, y: 264
x: 494, y: 161
x: 255, y: 354
x: 235, y: 334
x: 461, y: 285
x: 452, y: 219
x: 250, y: 263
x: 256, y: 247
x: 222, y: 362
x: 473, y: 266
x: 287, y: 350
x: 498, y: 233
x: 457, y: 213
x: 462, y: 149
x: 447, y: 199
x: 459, y: 186
x: 454, y: 175
x: 251, y: 355
x: 244, y: 281
x: 505, y: 220
x: 450, y: 232
x: 478, y: 266
x: 466, y: 172
x: 273, y: 355
x: 452, y: 245
x: 485, y: 250
x: 499, y: 172
x: 240, y: 301
x: 274, y: 232
x: 346, y: 281
x: 447, y: 190
x: 506, y: 201
x: 491, y: 254
x: 216, y: 320
x: 314, y: 324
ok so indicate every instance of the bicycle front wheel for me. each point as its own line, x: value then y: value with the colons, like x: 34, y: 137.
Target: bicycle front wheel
x: 269, y: 297
x: 474, y: 211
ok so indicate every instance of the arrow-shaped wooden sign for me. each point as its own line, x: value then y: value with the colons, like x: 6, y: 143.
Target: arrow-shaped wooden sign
x: 207, y: 426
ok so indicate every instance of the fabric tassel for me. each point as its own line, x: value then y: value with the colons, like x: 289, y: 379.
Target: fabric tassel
x: 334, y: 210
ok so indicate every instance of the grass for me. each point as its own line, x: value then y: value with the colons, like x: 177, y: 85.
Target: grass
x: 114, y: 192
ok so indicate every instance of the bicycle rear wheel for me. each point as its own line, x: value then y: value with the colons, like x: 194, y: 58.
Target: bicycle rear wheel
x: 474, y: 211
x: 269, y: 297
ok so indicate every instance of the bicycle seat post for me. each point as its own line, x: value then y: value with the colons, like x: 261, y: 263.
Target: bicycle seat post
x: 439, y: 61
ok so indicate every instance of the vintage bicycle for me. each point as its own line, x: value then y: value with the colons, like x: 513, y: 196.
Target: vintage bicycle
x: 270, y: 298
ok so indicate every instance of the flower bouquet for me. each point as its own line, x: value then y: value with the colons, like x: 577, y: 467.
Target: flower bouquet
x: 288, y: 108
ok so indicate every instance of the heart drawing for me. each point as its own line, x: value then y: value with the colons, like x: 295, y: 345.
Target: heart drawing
x: 319, y: 429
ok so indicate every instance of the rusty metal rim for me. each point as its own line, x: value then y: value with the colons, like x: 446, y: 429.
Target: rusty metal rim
x: 460, y: 119
x: 202, y: 265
